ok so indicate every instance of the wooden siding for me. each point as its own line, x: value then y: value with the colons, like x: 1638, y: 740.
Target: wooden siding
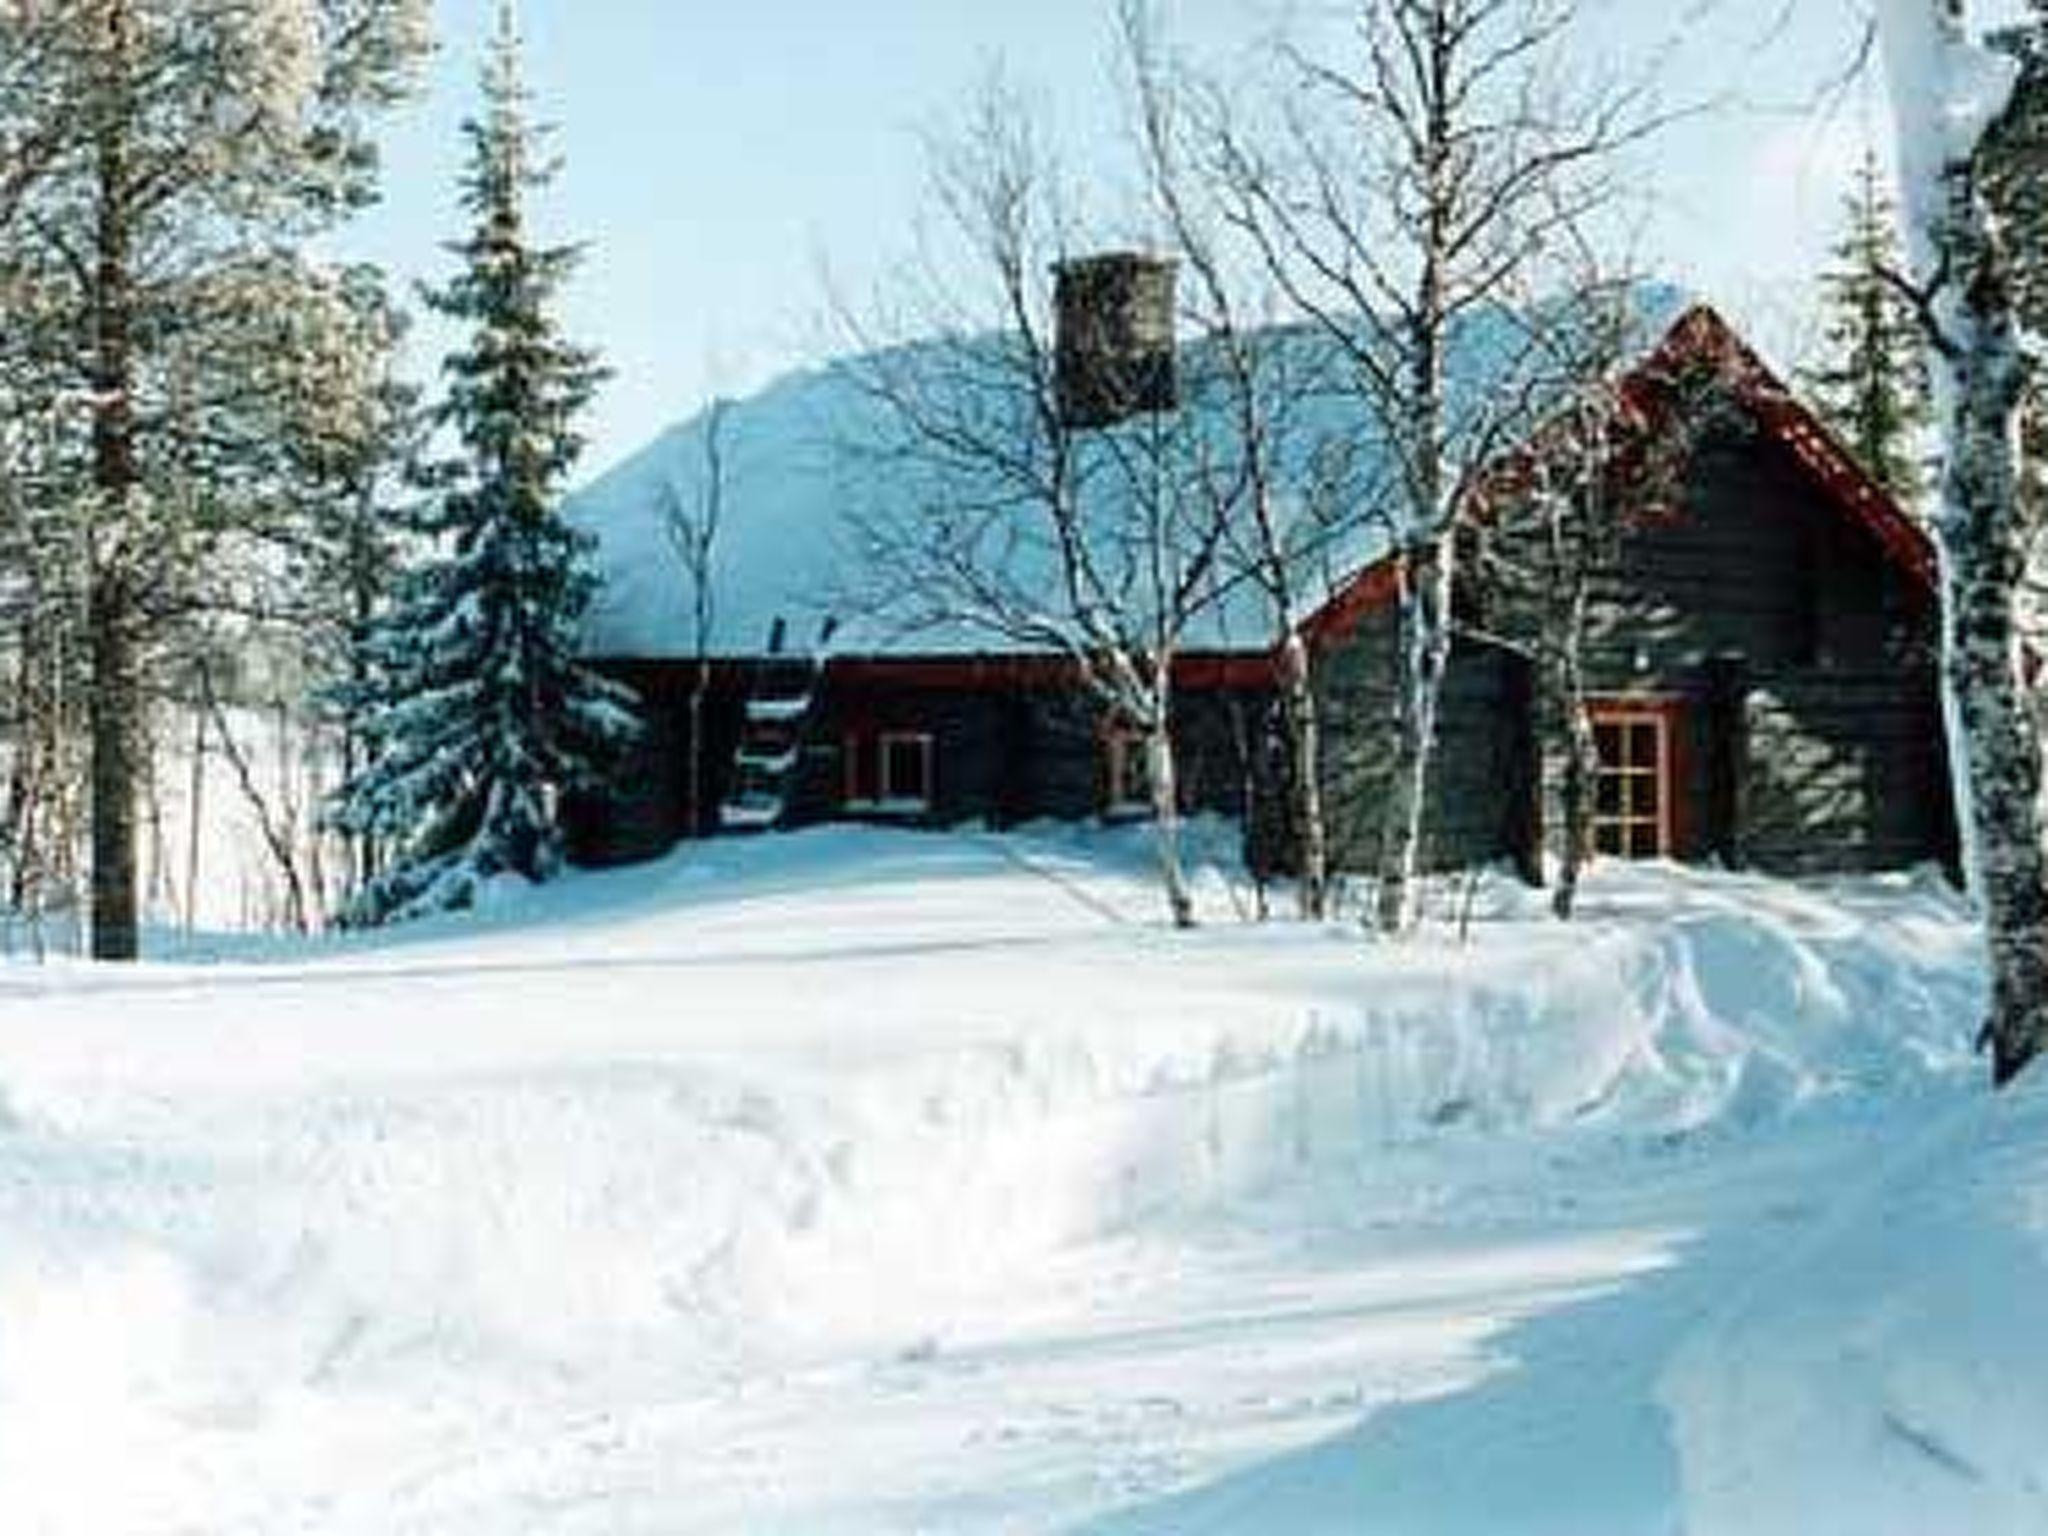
x: 1807, y: 661
x: 1478, y: 800
x: 1010, y: 755
x: 1759, y: 564
x: 1001, y: 754
x: 1846, y: 771
x: 1791, y: 653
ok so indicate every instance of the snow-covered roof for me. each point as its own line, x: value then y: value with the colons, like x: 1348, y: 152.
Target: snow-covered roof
x: 814, y: 463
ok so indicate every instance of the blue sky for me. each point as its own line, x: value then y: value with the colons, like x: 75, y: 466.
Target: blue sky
x: 716, y: 155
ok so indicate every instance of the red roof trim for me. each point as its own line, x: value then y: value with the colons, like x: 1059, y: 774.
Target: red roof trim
x: 1701, y: 335
x: 990, y: 673
x: 971, y: 673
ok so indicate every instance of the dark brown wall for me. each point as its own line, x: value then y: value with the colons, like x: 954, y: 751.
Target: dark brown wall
x: 1001, y: 755
x: 1477, y: 807
x: 1831, y: 651
x: 1007, y: 755
x: 1758, y: 564
x: 1797, y: 658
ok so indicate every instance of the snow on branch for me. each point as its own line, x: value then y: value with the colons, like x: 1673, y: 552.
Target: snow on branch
x: 1946, y: 90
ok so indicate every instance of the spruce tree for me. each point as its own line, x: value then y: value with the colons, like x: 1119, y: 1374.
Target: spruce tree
x: 480, y: 717
x: 1873, y: 389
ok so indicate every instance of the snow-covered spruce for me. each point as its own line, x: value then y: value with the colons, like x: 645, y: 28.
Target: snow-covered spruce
x: 476, y: 714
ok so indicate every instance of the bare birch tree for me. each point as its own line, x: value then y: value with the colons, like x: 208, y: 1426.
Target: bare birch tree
x: 1949, y: 93
x: 276, y: 815
x: 1003, y: 516
x: 1412, y: 193
x: 1257, y: 379
x: 692, y: 525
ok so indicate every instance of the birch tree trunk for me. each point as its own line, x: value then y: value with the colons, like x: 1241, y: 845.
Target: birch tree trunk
x: 1581, y: 772
x: 1943, y: 102
x: 1425, y: 652
x: 1165, y: 791
x: 1305, y: 743
x: 1995, y: 751
x: 1571, y: 575
x: 1998, y: 750
x: 1425, y: 610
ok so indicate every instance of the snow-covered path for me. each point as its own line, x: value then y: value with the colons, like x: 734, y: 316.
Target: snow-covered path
x: 1511, y: 1367
x: 1554, y: 1424
x: 858, y: 1182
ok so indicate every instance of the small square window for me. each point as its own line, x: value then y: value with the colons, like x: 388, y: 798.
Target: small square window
x: 888, y: 771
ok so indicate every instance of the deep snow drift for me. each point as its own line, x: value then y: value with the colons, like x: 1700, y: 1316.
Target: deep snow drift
x: 857, y: 1181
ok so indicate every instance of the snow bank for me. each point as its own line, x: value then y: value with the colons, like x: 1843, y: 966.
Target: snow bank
x: 806, y: 1099
x: 1888, y: 1376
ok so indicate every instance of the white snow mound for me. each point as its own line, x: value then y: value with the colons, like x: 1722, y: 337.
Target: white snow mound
x: 813, y: 1098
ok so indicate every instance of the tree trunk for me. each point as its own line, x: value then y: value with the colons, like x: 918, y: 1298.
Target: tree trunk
x: 1425, y: 648
x: 1582, y: 751
x: 111, y: 713
x: 1984, y: 559
x: 1165, y: 791
x: 1581, y: 770
x: 1304, y: 726
x: 195, y: 817
x: 115, y: 655
x: 1974, y: 330
x: 276, y: 835
x: 1426, y: 576
x: 698, y: 690
x: 22, y: 786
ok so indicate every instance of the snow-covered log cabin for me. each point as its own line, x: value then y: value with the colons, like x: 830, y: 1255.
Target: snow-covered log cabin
x: 1760, y: 654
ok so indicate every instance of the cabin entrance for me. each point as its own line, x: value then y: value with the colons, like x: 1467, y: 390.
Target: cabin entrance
x: 1635, y: 785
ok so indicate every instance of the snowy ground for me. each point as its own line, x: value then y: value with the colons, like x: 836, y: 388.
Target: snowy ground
x: 858, y: 1182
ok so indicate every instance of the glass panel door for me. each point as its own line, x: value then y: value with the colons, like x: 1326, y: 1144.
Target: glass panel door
x: 1631, y: 792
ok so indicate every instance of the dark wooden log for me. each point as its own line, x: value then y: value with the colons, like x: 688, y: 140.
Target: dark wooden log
x: 1727, y: 749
